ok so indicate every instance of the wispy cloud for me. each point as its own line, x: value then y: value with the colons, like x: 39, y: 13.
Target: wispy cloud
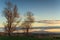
x: 50, y: 21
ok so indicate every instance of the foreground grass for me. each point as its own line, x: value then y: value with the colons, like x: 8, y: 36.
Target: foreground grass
x: 25, y: 38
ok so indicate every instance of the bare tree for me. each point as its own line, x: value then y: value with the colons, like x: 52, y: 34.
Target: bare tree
x: 28, y: 21
x: 11, y: 15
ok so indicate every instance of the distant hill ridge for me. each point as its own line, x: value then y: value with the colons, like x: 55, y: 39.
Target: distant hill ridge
x: 45, y: 27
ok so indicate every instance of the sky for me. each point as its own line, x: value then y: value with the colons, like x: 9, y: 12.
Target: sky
x: 42, y: 9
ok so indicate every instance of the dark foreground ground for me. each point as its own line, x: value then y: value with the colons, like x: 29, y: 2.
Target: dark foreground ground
x: 25, y: 38
x: 22, y: 36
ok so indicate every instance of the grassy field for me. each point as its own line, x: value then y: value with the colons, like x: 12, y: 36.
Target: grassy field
x: 25, y: 38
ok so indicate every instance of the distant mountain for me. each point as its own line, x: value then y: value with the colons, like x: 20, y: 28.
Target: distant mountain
x: 47, y: 27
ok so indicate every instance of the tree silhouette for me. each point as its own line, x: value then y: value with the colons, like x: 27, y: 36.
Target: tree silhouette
x: 11, y: 15
x: 28, y: 21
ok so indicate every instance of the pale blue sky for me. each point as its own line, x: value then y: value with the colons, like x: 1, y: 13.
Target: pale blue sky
x: 42, y: 9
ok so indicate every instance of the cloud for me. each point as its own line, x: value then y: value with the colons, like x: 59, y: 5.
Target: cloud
x: 50, y: 21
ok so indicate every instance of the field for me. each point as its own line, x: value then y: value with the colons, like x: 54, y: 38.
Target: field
x: 25, y: 38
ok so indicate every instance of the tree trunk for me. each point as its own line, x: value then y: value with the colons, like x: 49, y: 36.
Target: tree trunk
x: 9, y: 27
x: 27, y: 31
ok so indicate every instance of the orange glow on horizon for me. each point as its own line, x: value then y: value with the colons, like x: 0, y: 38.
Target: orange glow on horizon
x: 53, y: 30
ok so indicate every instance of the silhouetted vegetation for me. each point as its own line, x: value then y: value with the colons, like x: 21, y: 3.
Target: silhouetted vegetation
x: 11, y: 15
x: 28, y: 21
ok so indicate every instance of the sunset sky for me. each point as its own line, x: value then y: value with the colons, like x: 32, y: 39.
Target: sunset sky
x: 42, y: 9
